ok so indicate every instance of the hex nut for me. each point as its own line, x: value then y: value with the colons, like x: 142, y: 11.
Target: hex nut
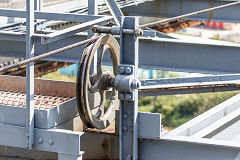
x: 125, y: 128
x: 121, y: 96
x: 128, y: 70
x: 50, y: 141
x: 128, y: 157
x: 121, y: 70
x: 128, y: 96
x: 40, y: 140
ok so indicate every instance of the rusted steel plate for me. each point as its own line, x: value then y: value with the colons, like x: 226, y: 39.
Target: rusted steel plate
x: 176, y: 25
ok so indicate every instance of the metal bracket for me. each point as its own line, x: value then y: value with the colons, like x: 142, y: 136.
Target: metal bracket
x: 125, y: 82
x: 115, y: 30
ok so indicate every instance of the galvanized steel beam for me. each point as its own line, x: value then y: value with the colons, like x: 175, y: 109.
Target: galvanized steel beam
x: 204, y: 121
x: 128, y: 124
x: 53, y: 140
x: 172, y: 8
x: 194, y: 55
x: 30, y: 75
x: 185, y: 148
x: 72, y: 17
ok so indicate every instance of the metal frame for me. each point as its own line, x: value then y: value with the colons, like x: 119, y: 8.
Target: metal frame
x: 128, y: 136
x: 135, y: 140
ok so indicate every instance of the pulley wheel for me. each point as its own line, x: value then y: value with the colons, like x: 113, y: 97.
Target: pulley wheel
x: 97, y: 84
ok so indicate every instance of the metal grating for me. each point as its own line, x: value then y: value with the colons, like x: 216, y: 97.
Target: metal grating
x: 42, y: 102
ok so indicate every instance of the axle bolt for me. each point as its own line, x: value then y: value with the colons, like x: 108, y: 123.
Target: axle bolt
x: 121, y: 96
x: 128, y: 157
x: 40, y: 140
x: 125, y: 128
x: 128, y: 97
x: 128, y: 70
x: 121, y: 70
x: 50, y: 141
x: 136, y: 84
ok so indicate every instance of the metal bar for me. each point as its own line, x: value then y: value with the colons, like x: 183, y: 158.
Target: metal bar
x: 51, y: 16
x: 189, y: 55
x: 93, y: 10
x: 58, y: 35
x: 171, y: 86
x: 204, y: 120
x: 13, y: 13
x: 72, y: 17
x: 69, y: 157
x: 48, y: 54
x: 185, y: 55
x: 53, y: 140
x: 30, y: 75
x: 168, y: 9
x: 219, y: 126
x: 190, y: 81
x: 189, y: 15
x: 188, y: 90
x: 38, y: 5
x: 114, y: 10
x: 128, y: 127
x: 186, y: 148
x: 13, y: 36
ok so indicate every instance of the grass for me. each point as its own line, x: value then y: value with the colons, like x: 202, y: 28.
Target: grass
x: 58, y: 76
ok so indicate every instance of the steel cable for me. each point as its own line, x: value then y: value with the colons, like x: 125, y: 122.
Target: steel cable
x: 48, y: 54
x: 149, y: 25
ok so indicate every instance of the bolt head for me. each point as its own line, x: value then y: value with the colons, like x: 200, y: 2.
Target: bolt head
x: 50, y: 141
x: 40, y: 140
x: 125, y: 128
x: 136, y: 84
x: 131, y: 129
x: 128, y: 157
x: 128, y: 70
x: 128, y: 96
x: 121, y: 70
x: 121, y: 96
x: 131, y: 116
x: 125, y: 115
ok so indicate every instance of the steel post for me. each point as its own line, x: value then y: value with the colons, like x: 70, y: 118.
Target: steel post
x: 129, y: 109
x: 93, y: 10
x: 30, y: 75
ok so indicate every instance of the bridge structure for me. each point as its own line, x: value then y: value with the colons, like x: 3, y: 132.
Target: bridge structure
x: 39, y: 119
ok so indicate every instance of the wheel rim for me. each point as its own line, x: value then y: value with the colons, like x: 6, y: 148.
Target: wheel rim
x: 87, y: 84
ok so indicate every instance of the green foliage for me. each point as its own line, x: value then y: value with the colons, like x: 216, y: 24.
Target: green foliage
x: 176, y: 110
x: 58, y: 76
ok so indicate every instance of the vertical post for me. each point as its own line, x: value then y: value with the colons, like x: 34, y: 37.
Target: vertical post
x: 38, y: 5
x: 30, y: 74
x: 93, y: 10
x: 92, y: 7
x: 129, y: 109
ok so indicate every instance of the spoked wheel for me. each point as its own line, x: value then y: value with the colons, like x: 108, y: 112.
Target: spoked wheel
x: 98, y: 116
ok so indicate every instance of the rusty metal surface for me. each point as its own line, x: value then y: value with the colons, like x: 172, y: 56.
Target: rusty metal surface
x: 48, y: 54
x: 42, y: 87
x: 176, y: 25
x: 48, y: 93
x: 42, y: 102
x: 41, y: 68
x: 190, y: 87
x: 99, y: 146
